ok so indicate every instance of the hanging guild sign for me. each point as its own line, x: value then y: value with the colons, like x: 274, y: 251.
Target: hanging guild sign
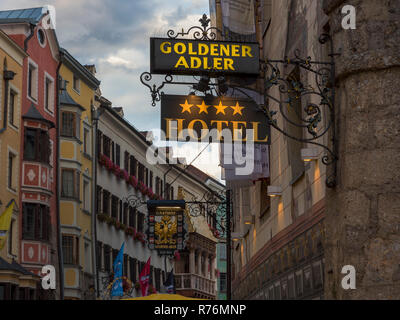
x: 205, y: 118
x: 195, y: 57
x: 166, y: 225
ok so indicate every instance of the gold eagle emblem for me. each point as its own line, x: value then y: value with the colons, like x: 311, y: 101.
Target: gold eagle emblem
x: 165, y: 230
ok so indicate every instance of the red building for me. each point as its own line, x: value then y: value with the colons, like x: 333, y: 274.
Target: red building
x: 38, y: 207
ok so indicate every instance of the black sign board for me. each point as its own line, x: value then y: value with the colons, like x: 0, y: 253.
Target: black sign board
x: 197, y: 113
x: 166, y: 226
x: 194, y: 57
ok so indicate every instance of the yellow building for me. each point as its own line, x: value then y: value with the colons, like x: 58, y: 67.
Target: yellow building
x: 76, y: 176
x: 15, y: 281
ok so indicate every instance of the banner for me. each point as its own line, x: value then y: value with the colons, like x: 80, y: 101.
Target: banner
x: 238, y: 19
x: 5, y: 221
x: 258, y: 154
x: 200, y: 115
x: 144, y: 278
x: 117, y: 289
x: 197, y: 57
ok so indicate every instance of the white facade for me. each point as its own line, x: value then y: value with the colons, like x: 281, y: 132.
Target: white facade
x: 113, y: 126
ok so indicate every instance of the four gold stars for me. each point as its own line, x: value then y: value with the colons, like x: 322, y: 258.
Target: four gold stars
x: 203, y: 107
x: 220, y: 108
x: 237, y: 109
x: 186, y: 107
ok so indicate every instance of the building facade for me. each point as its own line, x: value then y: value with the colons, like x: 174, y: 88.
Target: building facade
x: 278, y: 248
x: 125, y: 181
x: 76, y: 100
x: 38, y: 223
x: 15, y: 281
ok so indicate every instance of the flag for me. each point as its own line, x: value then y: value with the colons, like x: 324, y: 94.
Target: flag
x: 5, y: 220
x: 117, y: 289
x: 169, y: 284
x: 144, y: 278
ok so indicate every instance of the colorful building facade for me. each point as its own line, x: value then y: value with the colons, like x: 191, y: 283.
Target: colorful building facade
x: 76, y: 176
x: 38, y: 223
x: 15, y: 281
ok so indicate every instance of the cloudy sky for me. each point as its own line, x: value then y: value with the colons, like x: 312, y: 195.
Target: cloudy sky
x: 114, y: 35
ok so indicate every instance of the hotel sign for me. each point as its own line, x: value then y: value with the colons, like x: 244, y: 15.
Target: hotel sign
x: 166, y: 225
x: 194, y: 57
x: 191, y: 118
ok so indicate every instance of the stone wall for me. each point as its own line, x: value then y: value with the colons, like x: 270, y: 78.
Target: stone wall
x: 363, y: 211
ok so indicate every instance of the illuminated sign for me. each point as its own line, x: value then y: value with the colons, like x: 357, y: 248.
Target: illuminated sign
x: 191, y: 57
x: 166, y: 225
x: 192, y: 118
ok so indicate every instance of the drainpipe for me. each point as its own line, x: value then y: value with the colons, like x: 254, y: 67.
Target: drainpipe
x: 96, y: 113
x: 31, y: 27
x: 59, y: 87
x: 7, y: 76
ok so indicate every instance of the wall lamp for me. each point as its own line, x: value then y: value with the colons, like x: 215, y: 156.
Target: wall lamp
x: 236, y: 236
x: 249, y: 219
x: 274, y: 191
x: 309, y: 154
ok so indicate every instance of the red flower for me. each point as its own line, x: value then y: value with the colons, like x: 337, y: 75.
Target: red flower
x: 133, y: 181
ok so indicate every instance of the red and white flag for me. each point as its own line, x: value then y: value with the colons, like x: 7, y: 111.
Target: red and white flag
x: 144, y: 278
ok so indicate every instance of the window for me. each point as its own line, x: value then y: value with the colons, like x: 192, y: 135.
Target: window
x: 32, y: 81
x: 86, y: 145
x: 48, y: 93
x: 140, y: 224
x: 70, y: 247
x: 11, y: 171
x: 98, y: 199
x: 70, y: 183
x: 125, y: 214
x: 106, y: 145
x: 222, y: 282
x: 117, y: 154
x: 76, y: 84
x: 36, y: 222
x: 37, y: 145
x: 126, y: 161
x: 132, y: 217
x: 86, y: 195
x: 107, y: 257
x: 132, y: 269
x: 99, y: 140
x: 133, y: 164
x: 41, y: 37
x: 106, y: 202
x: 68, y: 124
x: 114, y: 207
x: 11, y: 107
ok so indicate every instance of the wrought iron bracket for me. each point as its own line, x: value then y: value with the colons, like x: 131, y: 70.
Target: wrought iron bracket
x: 315, y: 96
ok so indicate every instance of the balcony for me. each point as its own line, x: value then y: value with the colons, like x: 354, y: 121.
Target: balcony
x: 194, y: 282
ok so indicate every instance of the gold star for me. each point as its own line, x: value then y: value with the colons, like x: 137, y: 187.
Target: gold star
x: 237, y: 109
x: 186, y: 107
x: 203, y: 107
x: 220, y: 108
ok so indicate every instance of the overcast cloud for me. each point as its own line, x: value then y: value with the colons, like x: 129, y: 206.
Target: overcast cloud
x: 114, y: 35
